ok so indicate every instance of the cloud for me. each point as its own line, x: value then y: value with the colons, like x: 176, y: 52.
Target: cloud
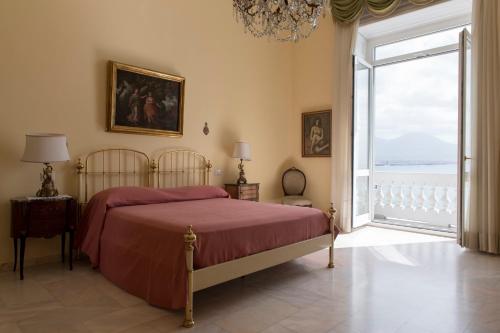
x: 418, y: 96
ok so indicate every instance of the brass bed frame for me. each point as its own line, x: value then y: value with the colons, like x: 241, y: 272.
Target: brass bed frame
x: 113, y: 167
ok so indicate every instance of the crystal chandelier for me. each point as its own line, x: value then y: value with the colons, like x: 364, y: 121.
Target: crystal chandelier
x: 284, y: 20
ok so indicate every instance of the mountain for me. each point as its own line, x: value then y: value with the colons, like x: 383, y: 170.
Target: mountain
x: 414, y: 148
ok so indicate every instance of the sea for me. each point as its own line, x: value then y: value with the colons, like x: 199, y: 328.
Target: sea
x: 419, y: 168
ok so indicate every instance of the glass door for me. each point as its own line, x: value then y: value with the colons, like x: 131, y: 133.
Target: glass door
x: 465, y: 133
x: 362, y: 144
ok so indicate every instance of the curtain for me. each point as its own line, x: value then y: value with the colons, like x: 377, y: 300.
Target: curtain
x: 349, y: 10
x: 344, y: 44
x: 482, y: 230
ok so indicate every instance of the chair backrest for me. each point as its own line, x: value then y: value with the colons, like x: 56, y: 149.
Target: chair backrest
x: 293, y: 182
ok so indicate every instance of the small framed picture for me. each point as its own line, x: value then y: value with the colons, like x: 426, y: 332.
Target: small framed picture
x: 142, y: 101
x: 317, y: 134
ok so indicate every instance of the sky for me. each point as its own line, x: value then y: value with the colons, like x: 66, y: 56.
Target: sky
x: 419, y: 95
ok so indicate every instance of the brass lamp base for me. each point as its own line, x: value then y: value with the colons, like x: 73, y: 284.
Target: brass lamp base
x: 241, y: 179
x: 48, y: 189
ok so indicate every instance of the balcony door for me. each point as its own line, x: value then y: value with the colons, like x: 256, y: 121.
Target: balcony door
x: 362, y: 144
x: 465, y: 137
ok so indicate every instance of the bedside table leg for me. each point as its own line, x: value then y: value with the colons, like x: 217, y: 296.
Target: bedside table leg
x: 71, y: 239
x: 15, y: 254
x: 63, y: 245
x: 21, y: 259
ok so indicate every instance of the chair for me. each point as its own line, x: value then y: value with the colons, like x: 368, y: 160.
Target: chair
x: 294, y: 185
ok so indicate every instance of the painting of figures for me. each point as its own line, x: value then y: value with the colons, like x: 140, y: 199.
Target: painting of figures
x: 142, y: 101
x: 317, y: 134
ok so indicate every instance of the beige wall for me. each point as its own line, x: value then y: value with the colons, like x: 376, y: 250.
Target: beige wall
x: 312, y: 91
x: 53, y: 78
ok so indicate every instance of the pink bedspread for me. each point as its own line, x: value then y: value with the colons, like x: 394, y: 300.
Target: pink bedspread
x: 135, y: 235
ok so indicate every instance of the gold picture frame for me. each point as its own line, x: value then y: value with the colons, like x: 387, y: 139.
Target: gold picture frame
x: 142, y: 101
x: 317, y: 134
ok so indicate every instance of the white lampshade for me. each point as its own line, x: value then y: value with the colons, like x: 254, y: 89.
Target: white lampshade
x: 45, y: 148
x: 242, y: 151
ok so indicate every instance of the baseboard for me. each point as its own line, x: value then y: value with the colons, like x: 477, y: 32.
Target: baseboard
x: 28, y: 262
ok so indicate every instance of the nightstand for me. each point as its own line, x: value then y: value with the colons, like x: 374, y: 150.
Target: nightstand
x: 42, y: 218
x: 243, y: 191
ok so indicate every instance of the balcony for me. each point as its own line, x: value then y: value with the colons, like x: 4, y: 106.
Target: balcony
x: 419, y: 200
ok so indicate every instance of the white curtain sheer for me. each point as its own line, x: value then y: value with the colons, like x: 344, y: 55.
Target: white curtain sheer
x: 344, y: 44
x: 482, y: 230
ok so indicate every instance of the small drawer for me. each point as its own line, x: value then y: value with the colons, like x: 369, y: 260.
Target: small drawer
x: 248, y: 192
x: 246, y: 196
x: 250, y: 187
x: 47, y: 210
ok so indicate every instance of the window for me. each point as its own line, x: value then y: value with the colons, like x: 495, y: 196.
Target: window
x: 416, y: 114
x: 416, y: 98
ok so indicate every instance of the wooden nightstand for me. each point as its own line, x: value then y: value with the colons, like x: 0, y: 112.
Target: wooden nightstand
x: 243, y: 191
x: 47, y: 217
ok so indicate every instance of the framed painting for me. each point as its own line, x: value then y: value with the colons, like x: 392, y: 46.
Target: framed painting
x: 142, y: 101
x: 317, y: 134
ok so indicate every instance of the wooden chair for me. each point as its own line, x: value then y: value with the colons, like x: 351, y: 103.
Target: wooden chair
x: 294, y: 184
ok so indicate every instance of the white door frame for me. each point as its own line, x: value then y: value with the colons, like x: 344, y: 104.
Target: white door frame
x: 465, y: 40
x: 359, y: 221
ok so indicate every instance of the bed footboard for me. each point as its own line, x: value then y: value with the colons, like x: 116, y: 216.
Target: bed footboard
x: 209, y: 276
x: 331, y: 213
x: 189, y: 239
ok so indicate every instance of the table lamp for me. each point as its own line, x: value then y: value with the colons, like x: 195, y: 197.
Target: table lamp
x: 46, y: 148
x: 241, y: 151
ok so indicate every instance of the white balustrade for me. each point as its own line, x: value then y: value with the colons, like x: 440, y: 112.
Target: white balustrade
x: 427, y: 198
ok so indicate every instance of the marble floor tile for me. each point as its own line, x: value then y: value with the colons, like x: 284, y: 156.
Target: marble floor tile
x: 415, y: 328
x: 142, y: 328
x: 66, y: 315
x: 9, y: 328
x: 313, y: 320
x: 255, y: 318
x: 14, y: 292
x: 22, y: 312
x: 173, y: 324
x: 55, y: 326
x: 123, y: 319
x: 277, y: 328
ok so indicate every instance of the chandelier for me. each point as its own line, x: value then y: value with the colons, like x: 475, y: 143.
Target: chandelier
x: 283, y: 20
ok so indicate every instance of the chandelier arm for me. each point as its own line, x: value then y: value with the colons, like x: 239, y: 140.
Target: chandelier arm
x: 286, y: 20
x: 311, y: 4
x: 246, y: 9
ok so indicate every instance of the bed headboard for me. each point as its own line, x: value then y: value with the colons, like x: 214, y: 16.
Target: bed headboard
x: 116, y: 167
x: 180, y: 167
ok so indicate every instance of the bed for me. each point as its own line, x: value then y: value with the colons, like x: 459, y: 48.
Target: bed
x: 156, y: 228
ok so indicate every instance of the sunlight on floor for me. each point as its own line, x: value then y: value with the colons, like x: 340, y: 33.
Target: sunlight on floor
x: 391, y: 254
x: 372, y: 236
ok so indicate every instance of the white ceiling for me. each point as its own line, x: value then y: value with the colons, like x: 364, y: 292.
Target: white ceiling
x: 445, y: 11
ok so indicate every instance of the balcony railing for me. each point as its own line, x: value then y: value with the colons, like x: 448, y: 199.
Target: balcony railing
x: 428, y: 199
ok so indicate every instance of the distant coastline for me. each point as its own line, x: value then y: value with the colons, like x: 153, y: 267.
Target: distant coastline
x: 425, y: 167
x: 389, y: 163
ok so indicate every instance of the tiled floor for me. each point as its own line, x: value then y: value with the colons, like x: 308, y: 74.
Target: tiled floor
x: 426, y: 285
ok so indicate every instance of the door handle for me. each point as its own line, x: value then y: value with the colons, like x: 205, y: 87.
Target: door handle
x: 467, y: 158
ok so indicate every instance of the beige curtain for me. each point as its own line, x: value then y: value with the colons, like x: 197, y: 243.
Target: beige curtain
x: 350, y: 10
x: 344, y: 44
x: 482, y: 230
